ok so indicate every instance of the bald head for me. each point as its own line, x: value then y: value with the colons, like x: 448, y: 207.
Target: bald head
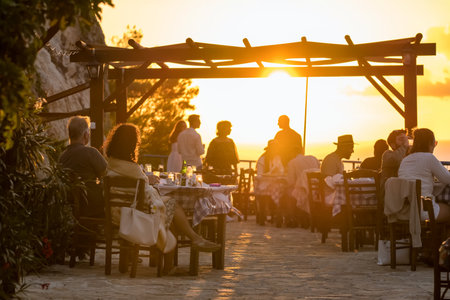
x: 283, y: 122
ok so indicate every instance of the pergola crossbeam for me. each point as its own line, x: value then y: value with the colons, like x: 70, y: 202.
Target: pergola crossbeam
x: 263, y: 72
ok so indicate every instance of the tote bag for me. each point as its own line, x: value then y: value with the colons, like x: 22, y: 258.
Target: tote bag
x: 138, y: 227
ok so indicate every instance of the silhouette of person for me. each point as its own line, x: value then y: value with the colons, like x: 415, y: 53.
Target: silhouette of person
x: 391, y: 159
x: 190, y: 143
x: 332, y: 163
x: 175, y: 161
x: 287, y: 140
x: 374, y: 163
x: 222, y: 153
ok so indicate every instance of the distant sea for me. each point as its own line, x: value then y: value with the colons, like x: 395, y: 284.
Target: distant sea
x: 320, y: 150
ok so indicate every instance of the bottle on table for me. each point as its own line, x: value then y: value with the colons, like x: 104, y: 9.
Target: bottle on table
x: 183, y: 173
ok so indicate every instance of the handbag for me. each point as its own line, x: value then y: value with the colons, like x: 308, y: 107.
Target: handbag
x: 138, y: 227
x: 384, y: 253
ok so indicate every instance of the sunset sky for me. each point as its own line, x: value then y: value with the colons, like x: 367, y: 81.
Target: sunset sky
x: 336, y: 106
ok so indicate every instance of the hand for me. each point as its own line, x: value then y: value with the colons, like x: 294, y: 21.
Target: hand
x: 152, y: 179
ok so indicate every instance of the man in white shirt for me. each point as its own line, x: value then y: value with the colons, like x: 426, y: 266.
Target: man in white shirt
x: 190, y: 143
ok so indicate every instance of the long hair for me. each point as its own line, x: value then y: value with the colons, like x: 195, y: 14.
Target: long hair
x: 179, y: 127
x: 423, y: 138
x: 123, y: 142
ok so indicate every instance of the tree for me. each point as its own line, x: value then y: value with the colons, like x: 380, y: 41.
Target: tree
x: 159, y: 113
x: 26, y: 27
x: 34, y: 212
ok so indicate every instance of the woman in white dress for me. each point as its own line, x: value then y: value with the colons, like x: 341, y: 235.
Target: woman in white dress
x: 175, y: 162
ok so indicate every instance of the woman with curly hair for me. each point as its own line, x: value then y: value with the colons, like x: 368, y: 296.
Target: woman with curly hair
x: 122, y: 152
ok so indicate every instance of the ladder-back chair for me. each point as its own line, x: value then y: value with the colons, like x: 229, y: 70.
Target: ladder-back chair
x: 320, y: 214
x: 115, y: 198
x: 362, y: 209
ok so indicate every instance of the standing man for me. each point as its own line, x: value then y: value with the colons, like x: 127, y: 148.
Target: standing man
x: 86, y: 162
x: 190, y: 143
x: 288, y: 140
x: 332, y: 163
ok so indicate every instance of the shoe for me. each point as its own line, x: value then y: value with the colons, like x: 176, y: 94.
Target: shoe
x: 206, y: 246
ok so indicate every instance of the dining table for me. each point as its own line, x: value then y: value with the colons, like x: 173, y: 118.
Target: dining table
x: 337, y: 197
x: 271, y: 185
x: 204, y: 200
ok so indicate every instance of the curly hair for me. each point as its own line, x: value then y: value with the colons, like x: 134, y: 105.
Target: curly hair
x: 123, y: 142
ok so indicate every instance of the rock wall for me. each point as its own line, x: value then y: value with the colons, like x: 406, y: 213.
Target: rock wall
x: 56, y: 73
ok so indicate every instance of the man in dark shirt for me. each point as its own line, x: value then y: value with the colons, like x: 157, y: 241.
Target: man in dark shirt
x: 86, y: 162
x: 287, y: 140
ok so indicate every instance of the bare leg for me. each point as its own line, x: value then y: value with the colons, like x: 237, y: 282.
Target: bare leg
x: 182, y: 226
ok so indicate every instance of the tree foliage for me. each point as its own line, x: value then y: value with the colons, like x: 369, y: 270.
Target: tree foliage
x: 35, y: 218
x: 159, y: 113
x: 26, y: 27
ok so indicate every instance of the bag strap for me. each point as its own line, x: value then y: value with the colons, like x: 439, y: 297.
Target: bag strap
x: 134, y: 204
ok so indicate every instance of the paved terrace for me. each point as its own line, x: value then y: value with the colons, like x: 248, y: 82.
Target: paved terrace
x: 262, y: 262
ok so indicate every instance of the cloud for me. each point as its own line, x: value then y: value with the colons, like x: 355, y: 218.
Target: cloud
x: 438, y: 68
x: 440, y: 36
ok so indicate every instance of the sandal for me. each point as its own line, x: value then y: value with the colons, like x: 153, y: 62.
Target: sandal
x: 206, y: 246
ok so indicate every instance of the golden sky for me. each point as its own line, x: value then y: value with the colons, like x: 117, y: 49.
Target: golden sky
x: 336, y: 106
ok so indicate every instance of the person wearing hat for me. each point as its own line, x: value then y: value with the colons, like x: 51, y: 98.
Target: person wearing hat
x: 332, y: 163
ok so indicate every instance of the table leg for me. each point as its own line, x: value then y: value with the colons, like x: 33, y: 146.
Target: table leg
x: 219, y: 256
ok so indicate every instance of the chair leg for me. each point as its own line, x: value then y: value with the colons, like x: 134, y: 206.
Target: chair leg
x: 92, y: 255
x: 393, y: 245
x: 108, y: 254
x: 413, y: 258
x: 134, y: 261
x: 124, y: 255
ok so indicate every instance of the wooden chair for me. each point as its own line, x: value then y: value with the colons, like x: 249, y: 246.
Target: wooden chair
x: 211, y: 228
x: 439, y: 233
x: 362, y: 218
x: 243, y: 198
x: 114, y: 198
x: 400, y: 229
x: 88, y: 232
x: 320, y: 214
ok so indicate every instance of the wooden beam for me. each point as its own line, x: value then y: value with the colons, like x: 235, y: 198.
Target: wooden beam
x: 96, y: 109
x: 67, y: 93
x: 262, y: 53
x: 263, y: 72
x: 128, y: 80
x: 145, y: 96
x: 53, y: 116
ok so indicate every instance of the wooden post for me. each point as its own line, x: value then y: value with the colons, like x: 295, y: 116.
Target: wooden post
x: 96, y: 109
x: 410, y: 87
x: 121, y: 111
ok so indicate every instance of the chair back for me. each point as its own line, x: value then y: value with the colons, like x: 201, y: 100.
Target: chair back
x: 121, y: 191
x: 354, y: 185
x: 316, y: 186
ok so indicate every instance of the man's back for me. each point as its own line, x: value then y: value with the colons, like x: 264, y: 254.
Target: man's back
x: 85, y: 161
x: 332, y: 165
x: 190, y: 146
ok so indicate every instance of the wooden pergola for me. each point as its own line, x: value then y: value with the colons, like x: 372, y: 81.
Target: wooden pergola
x: 201, y: 60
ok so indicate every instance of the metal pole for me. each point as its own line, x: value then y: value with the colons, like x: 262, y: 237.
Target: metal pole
x: 306, y: 110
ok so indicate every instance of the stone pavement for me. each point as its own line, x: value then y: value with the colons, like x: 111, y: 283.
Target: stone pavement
x: 262, y: 262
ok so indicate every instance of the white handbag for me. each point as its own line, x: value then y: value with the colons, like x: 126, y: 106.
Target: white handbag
x: 384, y: 253
x: 139, y: 227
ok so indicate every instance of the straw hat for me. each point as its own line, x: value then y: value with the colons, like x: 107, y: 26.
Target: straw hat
x: 346, y: 139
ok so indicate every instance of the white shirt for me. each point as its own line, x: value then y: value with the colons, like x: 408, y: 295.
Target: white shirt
x: 190, y: 147
x: 424, y: 166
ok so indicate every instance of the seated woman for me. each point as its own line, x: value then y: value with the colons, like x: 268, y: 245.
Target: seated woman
x: 422, y: 164
x: 222, y: 154
x: 122, y: 150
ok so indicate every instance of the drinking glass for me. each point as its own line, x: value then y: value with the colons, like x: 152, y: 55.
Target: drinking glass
x: 148, y: 168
